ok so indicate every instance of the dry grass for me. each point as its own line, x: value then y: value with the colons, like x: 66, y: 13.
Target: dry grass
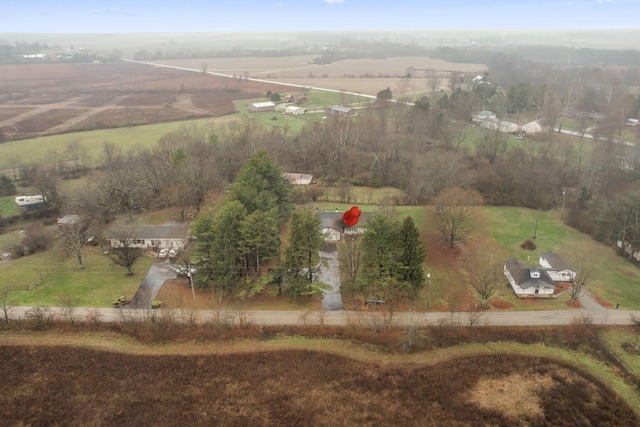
x: 88, y: 379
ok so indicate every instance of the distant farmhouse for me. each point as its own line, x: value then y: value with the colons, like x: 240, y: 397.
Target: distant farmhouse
x: 298, y: 178
x: 538, y: 282
x: 294, y: 111
x: 258, y: 107
x: 334, y: 228
x: 156, y: 237
x: 339, y: 110
x: 489, y: 120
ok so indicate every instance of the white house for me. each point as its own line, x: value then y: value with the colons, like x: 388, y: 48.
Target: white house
x: 536, y: 126
x: 528, y: 282
x: 258, y: 107
x: 156, y: 237
x: 333, y: 226
x: 558, y: 269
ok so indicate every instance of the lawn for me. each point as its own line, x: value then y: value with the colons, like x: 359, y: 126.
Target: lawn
x: 615, y: 338
x: 611, y: 277
x: 45, y: 279
x: 8, y: 206
x: 127, y: 139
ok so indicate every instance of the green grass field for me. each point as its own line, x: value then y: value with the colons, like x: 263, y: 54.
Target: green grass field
x: 45, y: 278
x: 8, y: 206
x: 615, y: 338
x: 611, y: 277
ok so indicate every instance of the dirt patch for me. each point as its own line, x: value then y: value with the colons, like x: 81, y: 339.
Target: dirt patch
x: 603, y: 302
x: 43, y: 121
x: 575, y: 304
x: 8, y: 113
x: 501, y: 304
x: 95, y: 99
x: 118, y: 117
x: 148, y: 100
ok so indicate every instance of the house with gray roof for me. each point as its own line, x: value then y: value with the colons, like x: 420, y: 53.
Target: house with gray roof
x: 340, y: 110
x: 334, y: 228
x: 156, y: 237
x: 529, y: 282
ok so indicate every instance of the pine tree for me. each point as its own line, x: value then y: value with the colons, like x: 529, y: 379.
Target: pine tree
x: 412, y: 257
x: 305, y: 240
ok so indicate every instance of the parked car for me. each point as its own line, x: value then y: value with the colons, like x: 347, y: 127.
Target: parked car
x: 183, y: 271
x: 173, y: 252
x: 163, y: 253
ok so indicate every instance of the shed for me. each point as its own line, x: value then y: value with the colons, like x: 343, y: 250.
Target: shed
x: 257, y: 107
x: 536, y: 126
x: 528, y: 282
x: 340, y: 110
x: 298, y: 178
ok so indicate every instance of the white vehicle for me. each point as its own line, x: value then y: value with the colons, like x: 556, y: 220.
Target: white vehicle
x: 163, y: 253
x: 173, y: 252
x: 27, y: 202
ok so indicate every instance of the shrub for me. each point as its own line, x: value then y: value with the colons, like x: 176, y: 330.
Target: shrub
x: 528, y: 245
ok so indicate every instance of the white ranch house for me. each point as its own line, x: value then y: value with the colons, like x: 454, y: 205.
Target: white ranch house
x: 156, y: 237
x: 528, y: 282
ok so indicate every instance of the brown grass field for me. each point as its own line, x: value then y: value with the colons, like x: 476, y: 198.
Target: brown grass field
x: 91, y: 379
x: 40, y: 99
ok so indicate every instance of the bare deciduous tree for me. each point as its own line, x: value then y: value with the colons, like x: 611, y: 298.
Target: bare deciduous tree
x: 124, y: 253
x: 453, y: 208
x: 73, y: 237
x: 482, y: 273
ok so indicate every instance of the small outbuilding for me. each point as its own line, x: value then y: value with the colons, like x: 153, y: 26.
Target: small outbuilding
x: 298, y: 178
x: 294, y: 110
x: 340, y: 110
x: 258, y: 107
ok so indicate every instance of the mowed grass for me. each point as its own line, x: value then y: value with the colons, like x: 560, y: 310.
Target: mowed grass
x: 127, y: 139
x: 611, y: 277
x: 8, y: 206
x: 615, y: 338
x: 46, y: 279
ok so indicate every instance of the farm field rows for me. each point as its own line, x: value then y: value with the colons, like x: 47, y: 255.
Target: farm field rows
x: 55, y: 97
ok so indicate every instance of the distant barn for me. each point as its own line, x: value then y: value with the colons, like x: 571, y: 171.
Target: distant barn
x: 258, y: 107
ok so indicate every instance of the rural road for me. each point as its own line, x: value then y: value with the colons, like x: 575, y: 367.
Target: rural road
x: 364, y: 318
x: 251, y: 79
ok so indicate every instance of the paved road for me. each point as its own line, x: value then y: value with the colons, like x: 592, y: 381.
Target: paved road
x: 251, y: 79
x: 343, y: 318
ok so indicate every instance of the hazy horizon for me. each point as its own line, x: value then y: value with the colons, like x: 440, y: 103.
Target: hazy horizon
x: 144, y: 16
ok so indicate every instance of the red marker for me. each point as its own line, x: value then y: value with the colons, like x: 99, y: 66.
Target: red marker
x: 351, y: 216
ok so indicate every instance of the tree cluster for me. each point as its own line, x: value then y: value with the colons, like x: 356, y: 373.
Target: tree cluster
x: 387, y: 262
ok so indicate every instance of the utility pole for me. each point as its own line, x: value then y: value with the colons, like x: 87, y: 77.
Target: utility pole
x: 429, y: 290
x: 564, y: 195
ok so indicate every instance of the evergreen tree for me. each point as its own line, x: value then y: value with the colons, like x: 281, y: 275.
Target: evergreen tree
x: 260, y: 237
x: 412, y: 257
x: 305, y: 240
x: 260, y: 185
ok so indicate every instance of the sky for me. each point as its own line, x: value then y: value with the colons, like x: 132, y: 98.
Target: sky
x: 133, y: 16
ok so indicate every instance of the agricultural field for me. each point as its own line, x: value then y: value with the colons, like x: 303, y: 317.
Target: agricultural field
x: 42, y: 99
x: 364, y: 75
x: 110, y: 380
